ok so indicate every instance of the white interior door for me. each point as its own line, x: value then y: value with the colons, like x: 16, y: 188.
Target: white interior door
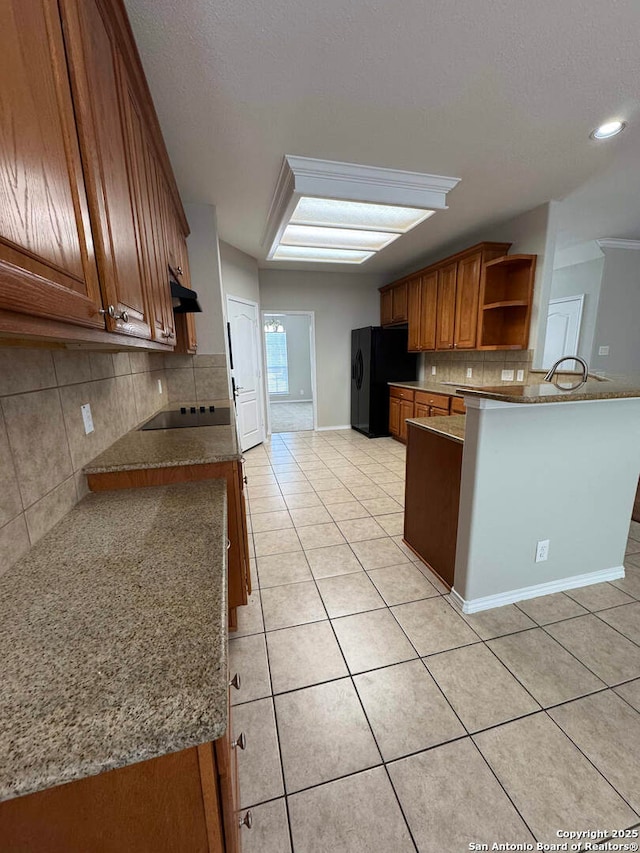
x: 563, y: 329
x: 243, y: 317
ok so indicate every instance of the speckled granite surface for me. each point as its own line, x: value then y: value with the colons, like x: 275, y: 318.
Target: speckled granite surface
x: 451, y: 427
x: 113, y: 636
x: 165, y: 448
x: 433, y: 387
x: 550, y: 393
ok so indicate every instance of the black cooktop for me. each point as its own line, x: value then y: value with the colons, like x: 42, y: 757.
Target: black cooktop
x: 189, y: 416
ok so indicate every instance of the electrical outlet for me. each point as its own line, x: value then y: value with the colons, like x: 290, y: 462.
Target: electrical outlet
x: 469, y: 372
x: 520, y: 376
x: 86, y: 418
x: 542, y: 551
x: 603, y: 350
x: 159, y: 386
x: 507, y: 375
x: 433, y: 370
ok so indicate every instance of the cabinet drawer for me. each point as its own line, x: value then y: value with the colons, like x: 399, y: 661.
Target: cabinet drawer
x: 438, y: 413
x: 457, y: 406
x: 401, y: 393
x: 440, y: 401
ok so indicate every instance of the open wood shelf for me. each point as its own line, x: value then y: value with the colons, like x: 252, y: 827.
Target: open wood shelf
x: 508, y: 303
x: 505, y: 302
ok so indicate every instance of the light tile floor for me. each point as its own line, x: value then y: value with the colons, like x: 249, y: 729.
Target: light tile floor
x: 380, y: 719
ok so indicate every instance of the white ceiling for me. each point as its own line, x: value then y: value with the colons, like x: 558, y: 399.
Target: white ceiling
x: 501, y: 93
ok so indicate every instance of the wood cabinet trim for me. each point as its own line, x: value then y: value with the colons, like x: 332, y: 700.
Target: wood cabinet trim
x: 485, y: 246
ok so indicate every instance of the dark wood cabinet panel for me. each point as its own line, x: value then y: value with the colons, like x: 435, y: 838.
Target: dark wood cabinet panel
x: 47, y: 265
x: 421, y: 411
x: 467, y: 296
x: 400, y: 303
x: 406, y: 411
x: 446, y: 306
x: 413, y: 313
x: 394, y: 416
x: 428, y: 311
x: 386, y: 307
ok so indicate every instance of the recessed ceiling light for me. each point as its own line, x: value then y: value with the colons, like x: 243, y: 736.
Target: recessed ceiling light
x: 609, y: 129
x: 327, y: 211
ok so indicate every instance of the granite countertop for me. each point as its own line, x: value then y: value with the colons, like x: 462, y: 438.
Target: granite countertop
x: 453, y: 390
x: 449, y: 426
x: 549, y: 392
x: 166, y: 448
x: 113, y: 636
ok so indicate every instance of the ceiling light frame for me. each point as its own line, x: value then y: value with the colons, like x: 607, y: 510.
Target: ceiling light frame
x: 330, y: 179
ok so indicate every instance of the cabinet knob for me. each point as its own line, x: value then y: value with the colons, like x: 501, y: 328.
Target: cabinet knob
x: 236, y: 681
x: 247, y: 820
x: 166, y: 334
x: 110, y: 310
x: 245, y: 480
x: 179, y: 270
x: 240, y: 741
x: 124, y: 316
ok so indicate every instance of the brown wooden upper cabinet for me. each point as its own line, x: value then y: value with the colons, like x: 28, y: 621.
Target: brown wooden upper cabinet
x: 47, y: 264
x: 394, y: 304
x: 467, y: 295
x: 445, y: 324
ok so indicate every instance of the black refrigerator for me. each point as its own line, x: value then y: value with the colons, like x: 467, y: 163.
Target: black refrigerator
x: 378, y: 356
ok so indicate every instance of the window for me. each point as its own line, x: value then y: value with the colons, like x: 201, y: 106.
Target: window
x: 277, y: 364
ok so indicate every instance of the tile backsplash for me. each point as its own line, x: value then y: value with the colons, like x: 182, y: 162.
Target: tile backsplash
x: 196, y: 377
x: 486, y: 366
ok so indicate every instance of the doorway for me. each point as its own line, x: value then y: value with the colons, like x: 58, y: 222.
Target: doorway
x: 245, y: 359
x: 289, y: 354
x: 564, y: 319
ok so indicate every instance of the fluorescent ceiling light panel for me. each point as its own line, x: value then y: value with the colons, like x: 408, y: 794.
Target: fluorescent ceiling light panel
x: 344, y: 213
x: 319, y: 255
x: 336, y: 238
x: 357, y: 214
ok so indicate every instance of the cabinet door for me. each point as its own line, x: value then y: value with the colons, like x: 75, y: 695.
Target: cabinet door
x: 386, y: 307
x: 406, y: 411
x: 446, y: 306
x: 400, y: 303
x: 414, y: 339
x: 428, y: 311
x: 97, y: 86
x: 394, y: 416
x: 422, y: 411
x: 47, y: 265
x: 437, y: 413
x: 467, y: 296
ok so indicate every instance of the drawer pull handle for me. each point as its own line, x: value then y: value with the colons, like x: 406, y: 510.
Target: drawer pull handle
x: 236, y: 681
x: 228, y: 544
x: 247, y: 820
x: 240, y: 742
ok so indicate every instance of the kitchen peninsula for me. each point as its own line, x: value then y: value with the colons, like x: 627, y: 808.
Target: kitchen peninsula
x: 532, y: 463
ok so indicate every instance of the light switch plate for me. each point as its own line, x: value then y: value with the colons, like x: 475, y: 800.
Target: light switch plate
x: 86, y: 418
x: 469, y: 372
x: 507, y: 375
x: 159, y: 386
x: 603, y: 350
x: 520, y: 376
x: 433, y: 370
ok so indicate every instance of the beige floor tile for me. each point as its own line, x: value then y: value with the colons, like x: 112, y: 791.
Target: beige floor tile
x: 268, y: 491
x: 632, y: 547
x: 369, y: 491
x: 250, y: 616
x: 403, y: 583
x: 270, y: 830
x: 405, y: 709
x: 348, y: 510
x: 550, y: 782
x: 625, y: 619
x: 276, y: 542
x: 371, y: 640
x: 630, y: 583
x: 358, y: 529
x: 303, y: 501
x: 323, y: 734
x: 630, y: 692
x: 551, y: 608
x: 334, y: 560
x: 291, y: 477
x: 481, y: 690
x: 547, y: 670
x: 611, y: 656
x: 293, y: 604
x: 599, y: 596
x: 352, y: 593
x: 262, y: 479
x: 259, y: 768
x: 634, y: 530
x: 248, y: 657
x: 297, y: 488
x: 607, y: 730
x: 451, y: 799
x: 306, y: 516
x: 332, y: 497
x: 279, y: 569
x: 392, y: 524
x: 304, y: 655
x: 258, y: 505
x: 433, y: 625
x: 378, y: 553
x: 359, y: 814
x: 266, y: 521
x: 382, y: 505
x: 498, y: 622
x: 320, y: 536
x: 324, y: 483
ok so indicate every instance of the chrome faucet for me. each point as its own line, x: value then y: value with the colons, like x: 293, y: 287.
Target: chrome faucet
x: 585, y: 367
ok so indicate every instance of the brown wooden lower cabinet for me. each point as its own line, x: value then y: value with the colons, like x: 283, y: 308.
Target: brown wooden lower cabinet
x: 239, y: 575
x: 183, y: 802
x: 409, y: 403
x: 458, y: 406
x: 432, y: 497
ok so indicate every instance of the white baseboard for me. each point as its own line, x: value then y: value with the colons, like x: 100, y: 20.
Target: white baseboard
x: 475, y: 605
x: 325, y: 429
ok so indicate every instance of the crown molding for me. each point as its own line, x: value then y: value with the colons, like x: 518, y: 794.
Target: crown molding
x: 615, y: 243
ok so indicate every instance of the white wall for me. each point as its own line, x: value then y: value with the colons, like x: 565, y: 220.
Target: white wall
x: 204, y: 265
x: 298, y: 329
x: 574, y: 280
x: 341, y: 302
x: 239, y: 273
x: 618, y: 313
